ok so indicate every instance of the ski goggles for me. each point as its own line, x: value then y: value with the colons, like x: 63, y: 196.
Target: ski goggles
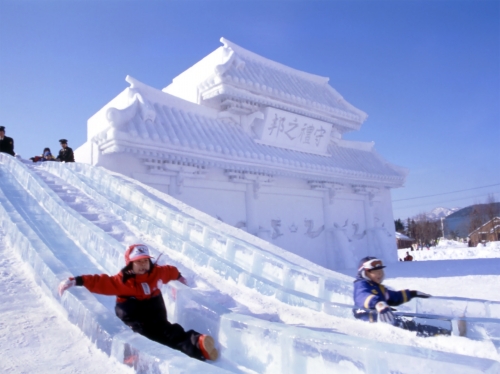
x: 373, y: 264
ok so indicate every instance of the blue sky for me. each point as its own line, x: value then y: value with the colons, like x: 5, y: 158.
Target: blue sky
x: 426, y: 72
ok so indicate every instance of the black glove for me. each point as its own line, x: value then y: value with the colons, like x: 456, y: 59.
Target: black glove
x: 419, y: 294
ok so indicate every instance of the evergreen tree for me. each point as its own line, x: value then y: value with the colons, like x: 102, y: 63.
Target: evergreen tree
x: 399, y: 226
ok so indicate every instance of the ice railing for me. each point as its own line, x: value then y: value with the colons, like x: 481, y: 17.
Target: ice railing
x: 96, y: 321
x: 482, y: 322
x: 89, y: 236
x: 259, y: 269
x: 329, y: 349
x: 243, y: 262
x: 267, y: 347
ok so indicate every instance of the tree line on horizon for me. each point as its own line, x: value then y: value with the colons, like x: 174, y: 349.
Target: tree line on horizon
x: 426, y: 230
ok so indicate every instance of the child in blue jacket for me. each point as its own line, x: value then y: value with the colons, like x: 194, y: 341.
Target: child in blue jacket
x: 373, y: 301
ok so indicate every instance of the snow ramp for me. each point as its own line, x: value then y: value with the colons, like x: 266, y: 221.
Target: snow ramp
x: 70, y: 219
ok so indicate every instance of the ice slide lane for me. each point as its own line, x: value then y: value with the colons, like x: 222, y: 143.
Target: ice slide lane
x: 186, y: 319
x: 253, y: 263
x: 42, y: 243
x: 236, y: 330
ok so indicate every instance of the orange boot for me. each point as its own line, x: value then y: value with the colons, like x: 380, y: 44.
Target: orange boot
x: 207, y: 347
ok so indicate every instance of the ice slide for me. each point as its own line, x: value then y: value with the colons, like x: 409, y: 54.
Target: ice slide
x: 74, y: 219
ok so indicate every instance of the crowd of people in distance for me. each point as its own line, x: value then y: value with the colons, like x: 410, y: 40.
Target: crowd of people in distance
x: 65, y: 154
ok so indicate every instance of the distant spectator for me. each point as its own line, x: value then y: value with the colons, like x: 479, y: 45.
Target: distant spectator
x: 6, y: 143
x: 66, y: 153
x: 46, y: 156
x: 408, y: 257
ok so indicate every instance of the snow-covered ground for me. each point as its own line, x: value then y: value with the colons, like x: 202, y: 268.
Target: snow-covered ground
x: 37, y: 337
x: 453, y: 250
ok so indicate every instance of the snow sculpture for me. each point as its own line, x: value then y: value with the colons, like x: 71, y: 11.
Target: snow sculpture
x: 345, y: 250
x: 250, y: 139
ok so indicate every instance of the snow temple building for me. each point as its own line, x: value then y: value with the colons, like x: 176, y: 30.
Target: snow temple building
x: 260, y: 146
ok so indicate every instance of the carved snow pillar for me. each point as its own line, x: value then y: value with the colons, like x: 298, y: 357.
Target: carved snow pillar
x: 328, y: 199
x: 369, y: 194
x: 329, y: 191
x: 175, y: 172
x: 368, y: 207
x: 253, y: 183
x: 251, y: 195
x: 173, y: 187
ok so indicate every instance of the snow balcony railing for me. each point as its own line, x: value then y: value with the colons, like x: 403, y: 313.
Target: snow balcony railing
x: 95, y: 320
x: 233, y: 258
x: 87, y: 314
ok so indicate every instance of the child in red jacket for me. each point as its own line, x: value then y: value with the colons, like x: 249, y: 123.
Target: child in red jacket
x: 140, y: 305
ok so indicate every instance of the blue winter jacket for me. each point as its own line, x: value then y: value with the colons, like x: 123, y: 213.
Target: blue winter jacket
x: 368, y: 293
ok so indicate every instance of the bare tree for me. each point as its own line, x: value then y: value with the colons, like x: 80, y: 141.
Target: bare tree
x: 491, y: 210
x: 475, y: 217
x: 425, y: 230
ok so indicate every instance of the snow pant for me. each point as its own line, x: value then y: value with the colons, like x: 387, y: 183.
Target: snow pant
x: 403, y: 322
x: 408, y: 323
x: 149, y: 318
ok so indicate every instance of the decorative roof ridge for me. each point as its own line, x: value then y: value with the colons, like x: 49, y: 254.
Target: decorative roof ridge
x: 326, y: 114
x: 245, y: 52
x: 340, y: 99
x: 160, y: 97
x: 305, y: 75
x: 398, y: 169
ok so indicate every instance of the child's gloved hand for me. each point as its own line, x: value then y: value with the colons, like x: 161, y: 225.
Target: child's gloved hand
x: 183, y: 280
x: 419, y: 294
x: 65, y: 284
x: 384, y: 313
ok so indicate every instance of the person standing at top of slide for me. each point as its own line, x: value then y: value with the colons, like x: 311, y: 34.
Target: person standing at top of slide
x: 66, y: 153
x: 6, y: 143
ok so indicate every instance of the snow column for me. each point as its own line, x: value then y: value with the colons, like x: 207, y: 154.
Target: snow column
x: 369, y: 193
x: 338, y: 249
x: 328, y: 199
x: 251, y: 213
x: 175, y: 184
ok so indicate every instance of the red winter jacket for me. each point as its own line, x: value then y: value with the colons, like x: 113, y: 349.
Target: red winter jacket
x: 139, y: 286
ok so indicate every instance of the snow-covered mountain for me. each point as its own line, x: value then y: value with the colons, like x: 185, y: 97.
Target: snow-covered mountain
x: 441, y: 212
